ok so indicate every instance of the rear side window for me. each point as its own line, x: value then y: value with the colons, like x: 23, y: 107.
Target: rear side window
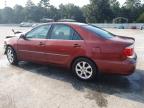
x: 76, y: 36
x: 61, y: 32
x: 64, y: 32
x: 100, y: 32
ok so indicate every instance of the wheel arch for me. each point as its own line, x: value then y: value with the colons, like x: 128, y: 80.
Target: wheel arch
x: 8, y: 45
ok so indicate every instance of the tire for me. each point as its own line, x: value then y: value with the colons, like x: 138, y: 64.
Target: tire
x: 11, y: 56
x: 84, y: 69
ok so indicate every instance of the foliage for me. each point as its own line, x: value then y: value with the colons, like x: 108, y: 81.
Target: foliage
x: 132, y: 9
x: 44, y: 3
x: 130, y: 4
x: 29, y: 4
x: 70, y: 11
x: 98, y: 11
x: 7, y: 15
x: 115, y: 7
x: 18, y: 14
x: 88, y: 14
x: 141, y: 18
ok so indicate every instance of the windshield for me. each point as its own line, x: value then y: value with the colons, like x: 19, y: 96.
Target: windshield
x: 100, y: 32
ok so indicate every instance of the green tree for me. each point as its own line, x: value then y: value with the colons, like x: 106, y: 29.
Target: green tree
x: 132, y: 4
x: 44, y: 3
x: 18, y: 14
x: 41, y: 13
x: 53, y: 13
x: 88, y: 14
x: 141, y: 18
x: 31, y: 14
x: 70, y: 11
x: 99, y: 10
x: 115, y: 7
x: 132, y: 9
x: 7, y: 15
x: 114, y: 3
x: 29, y: 4
x: 29, y: 11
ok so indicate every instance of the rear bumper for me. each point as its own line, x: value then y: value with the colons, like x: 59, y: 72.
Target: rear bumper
x: 125, y: 67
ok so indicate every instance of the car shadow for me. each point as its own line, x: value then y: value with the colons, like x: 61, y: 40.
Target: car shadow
x: 131, y: 87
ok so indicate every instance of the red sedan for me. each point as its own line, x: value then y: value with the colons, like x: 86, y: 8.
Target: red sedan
x: 84, y: 48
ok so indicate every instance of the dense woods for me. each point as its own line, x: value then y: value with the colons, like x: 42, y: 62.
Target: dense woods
x: 98, y: 11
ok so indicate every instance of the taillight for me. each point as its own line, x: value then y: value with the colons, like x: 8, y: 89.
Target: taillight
x: 128, y: 51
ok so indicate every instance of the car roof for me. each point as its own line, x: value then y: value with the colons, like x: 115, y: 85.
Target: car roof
x: 67, y: 23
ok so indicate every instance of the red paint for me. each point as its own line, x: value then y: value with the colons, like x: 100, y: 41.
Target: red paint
x: 110, y: 55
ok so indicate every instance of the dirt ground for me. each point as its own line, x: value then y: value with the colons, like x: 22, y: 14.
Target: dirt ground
x: 36, y: 86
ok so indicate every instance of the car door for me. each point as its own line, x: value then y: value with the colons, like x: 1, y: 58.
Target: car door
x: 63, y: 44
x: 31, y: 48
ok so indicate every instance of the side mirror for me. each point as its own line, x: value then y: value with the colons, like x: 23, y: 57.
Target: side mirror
x: 23, y: 36
x: 16, y: 32
x: 13, y: 31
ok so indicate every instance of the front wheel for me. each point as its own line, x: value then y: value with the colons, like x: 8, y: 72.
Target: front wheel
x: 11, y: 56
x: 84, y: 69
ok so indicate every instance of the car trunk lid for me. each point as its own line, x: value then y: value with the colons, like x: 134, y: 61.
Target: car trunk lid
x: 125, y: 40
x: 127, y: 45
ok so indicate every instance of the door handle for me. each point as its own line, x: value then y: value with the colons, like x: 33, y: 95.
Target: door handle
x: 77, y: 45
x: 42, y: 44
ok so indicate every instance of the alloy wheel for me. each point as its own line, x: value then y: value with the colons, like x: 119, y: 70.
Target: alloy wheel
x: 10, y: 55
x: 84, y: 70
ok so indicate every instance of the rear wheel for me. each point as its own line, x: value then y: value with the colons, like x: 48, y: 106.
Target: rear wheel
x: 11, y: 56
x: 84, y: 69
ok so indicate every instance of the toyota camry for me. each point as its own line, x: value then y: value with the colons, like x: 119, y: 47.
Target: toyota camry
x: 85, y: 49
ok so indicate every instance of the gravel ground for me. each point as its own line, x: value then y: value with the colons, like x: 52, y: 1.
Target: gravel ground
x: 35, y: 86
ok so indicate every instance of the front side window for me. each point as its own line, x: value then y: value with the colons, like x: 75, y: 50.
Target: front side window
x: 39, y: 32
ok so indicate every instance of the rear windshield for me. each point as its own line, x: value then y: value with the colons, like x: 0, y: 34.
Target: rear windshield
x: 100, y: 32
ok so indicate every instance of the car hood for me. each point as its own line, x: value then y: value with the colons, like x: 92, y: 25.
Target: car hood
x: 15, y: 35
